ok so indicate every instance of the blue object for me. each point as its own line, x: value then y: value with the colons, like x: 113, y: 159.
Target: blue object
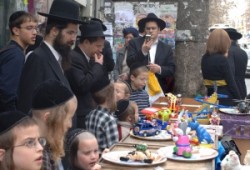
x: 201, y: 132
x: 146, y: 129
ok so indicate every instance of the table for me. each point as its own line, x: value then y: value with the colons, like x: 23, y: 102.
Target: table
x: 168, y: 165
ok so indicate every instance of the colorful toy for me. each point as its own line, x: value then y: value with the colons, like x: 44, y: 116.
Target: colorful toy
x: 201, y: 132
x: 181, y: 138
x: 215, y: 119
x: 146, y: 128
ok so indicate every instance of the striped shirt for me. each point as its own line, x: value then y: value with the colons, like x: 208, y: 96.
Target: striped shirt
x: 104, y: 126
x: 141, y: 98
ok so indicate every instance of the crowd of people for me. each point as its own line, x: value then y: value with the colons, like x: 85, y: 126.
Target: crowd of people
x: 59, y: 109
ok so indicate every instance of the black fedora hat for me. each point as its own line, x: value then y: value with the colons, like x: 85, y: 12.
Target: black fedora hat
x: 91, y: 29
x: 152, y: 17
x: 233, y: 33
x: 98, y: 20
x: 65, y: 10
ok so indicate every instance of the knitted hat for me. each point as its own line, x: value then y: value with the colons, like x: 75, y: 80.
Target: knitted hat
x: 130, y: 30
x: 122, y: 106
x: 49, y: 94
x: 10, y: 119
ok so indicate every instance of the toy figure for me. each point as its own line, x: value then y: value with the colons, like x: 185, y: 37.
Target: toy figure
x: 215, y: 119
x: 201, y: 132
x: 181, y: 139
x: 231, y: 162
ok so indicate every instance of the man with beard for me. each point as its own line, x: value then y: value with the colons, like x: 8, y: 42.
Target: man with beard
x: 87, y: 68
x: 51, y: 58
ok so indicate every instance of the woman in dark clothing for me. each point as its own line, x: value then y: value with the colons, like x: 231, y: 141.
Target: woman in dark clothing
x: 216, y: 71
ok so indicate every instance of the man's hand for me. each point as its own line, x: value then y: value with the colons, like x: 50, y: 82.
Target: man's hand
x: 99, y: 58
x: 146, y: 46
x: 155, y: 68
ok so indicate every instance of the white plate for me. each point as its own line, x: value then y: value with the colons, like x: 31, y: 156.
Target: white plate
x: 232, y: 111
x: 114, y: 157
x: 164, y: 135
x: 200, y: 155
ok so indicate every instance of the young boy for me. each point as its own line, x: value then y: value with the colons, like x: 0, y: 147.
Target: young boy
x: 138, y: 78
x: 127, y: 115
x: 23, y: 29
x: 100, y: 121
x: 21, y: 144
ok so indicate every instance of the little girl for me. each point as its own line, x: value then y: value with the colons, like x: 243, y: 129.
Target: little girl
x: 83, y: 150
x: 127, y: 115
x: 138, y: 78
x: 21, y: 146
x: 122, y: 90
x: 100, y: 121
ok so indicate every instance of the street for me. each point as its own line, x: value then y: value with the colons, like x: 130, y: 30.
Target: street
x: 247, y: 80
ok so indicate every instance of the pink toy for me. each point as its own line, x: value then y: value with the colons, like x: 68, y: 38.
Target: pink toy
x: 182, y: 147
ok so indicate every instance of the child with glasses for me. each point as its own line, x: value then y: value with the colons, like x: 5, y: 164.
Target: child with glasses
x: 83, y: 150
x: 21, y: 145
x: 53, y: 106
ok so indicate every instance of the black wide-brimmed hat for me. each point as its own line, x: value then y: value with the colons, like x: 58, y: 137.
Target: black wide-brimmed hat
x: 10, y: 119
x: 50, y: 93
x: 91, y: 29
x: 64, y: 10
x: 233, y: 33
x: 152, y: 17
x: 98, y: 20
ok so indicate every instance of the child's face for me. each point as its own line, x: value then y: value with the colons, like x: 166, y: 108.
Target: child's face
x: 88, y: 153
x: 120, y: 91
x: 140, y: 81
x: 70, y: 114
x: 25, y: 156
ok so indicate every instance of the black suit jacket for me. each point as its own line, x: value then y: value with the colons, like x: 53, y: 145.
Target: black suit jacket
x: 81, y: 77
x: 238, y: 63
x: 163, y: 57
x: 40, y: 66
x: 108, y: 61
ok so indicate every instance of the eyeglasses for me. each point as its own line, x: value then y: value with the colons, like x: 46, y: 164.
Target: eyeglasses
x: 30, y: 28
x: 32, y: 143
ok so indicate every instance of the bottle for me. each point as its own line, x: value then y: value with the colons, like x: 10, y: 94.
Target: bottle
x: 247, y: 158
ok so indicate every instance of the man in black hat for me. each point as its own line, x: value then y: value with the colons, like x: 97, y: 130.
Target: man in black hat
x: 51, y: 58
x: 151, y: 51
x: 87, y: 68
x: 108, y: 61
x: 238, y: 61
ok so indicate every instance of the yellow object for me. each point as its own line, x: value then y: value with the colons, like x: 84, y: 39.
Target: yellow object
x: 153, y: 84
x: 214, y: 82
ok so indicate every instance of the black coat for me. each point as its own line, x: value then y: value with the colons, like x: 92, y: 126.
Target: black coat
x: 40, y: 66
x: 238, y: 62
x: 163, y: 57
x: 216, y: 67
x: 108, y: 61
x: 81, y: 77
